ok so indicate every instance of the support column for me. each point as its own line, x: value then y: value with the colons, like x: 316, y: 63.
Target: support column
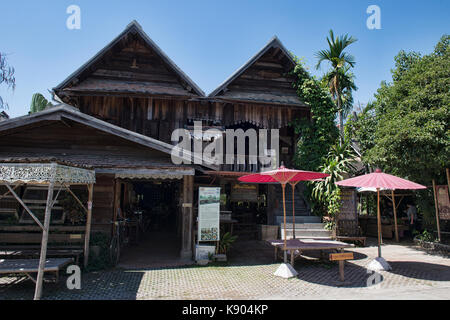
x: 42, y: 258
x: 187, y: 217
x: 87, y: 234
x: 395, y: 216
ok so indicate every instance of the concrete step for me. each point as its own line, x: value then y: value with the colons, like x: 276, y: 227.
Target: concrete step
x: 301, y: 226
x: 299, y: 219
x: 308, y: 238
x: 309, y: 233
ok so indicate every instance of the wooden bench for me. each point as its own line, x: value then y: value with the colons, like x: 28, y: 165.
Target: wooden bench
x: 361, y: 240
x: 27, y: 267
x: 349, y: 231
x: 27, y: 245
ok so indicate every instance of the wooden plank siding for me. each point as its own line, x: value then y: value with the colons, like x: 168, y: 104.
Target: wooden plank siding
x: 157, y: 118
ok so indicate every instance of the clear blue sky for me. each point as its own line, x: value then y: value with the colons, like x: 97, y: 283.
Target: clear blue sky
x: 210, y: 39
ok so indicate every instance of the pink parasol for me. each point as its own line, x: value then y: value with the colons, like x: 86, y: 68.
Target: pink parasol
x: 283, y: 176
x: 380, y: 180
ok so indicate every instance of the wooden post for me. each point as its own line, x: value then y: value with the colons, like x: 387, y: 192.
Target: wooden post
x: 436, y: 208
x: 293, y: 184
x: 283, y: 187
x: 448, y: 178
x: 87, y: 234
x: 42, y: 258
x: 116, y: 204
x: 395, y: 216
x: 187, y: 217
x: 379, y: 222
x: 341, y: 270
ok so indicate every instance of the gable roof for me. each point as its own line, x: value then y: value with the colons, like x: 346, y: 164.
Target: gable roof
x: 222, y: 91
x: 64, y: 111
x: 133, y: 27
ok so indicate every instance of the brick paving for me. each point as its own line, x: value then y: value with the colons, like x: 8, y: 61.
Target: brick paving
x: 249, y: 275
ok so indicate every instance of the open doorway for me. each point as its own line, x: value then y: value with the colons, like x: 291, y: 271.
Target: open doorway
x: 154, y: 232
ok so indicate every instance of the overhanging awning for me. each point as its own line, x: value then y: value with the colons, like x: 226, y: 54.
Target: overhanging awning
x: 163, y: 174
x: 44, y: 173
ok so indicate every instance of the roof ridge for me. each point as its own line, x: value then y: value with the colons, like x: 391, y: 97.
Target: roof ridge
x: 133, y: 25
x: 248, y: 63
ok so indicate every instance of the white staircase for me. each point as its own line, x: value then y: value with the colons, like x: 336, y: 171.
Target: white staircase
x: 306, y: 227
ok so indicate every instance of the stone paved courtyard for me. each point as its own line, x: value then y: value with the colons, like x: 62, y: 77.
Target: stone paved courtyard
x: 249, y: 275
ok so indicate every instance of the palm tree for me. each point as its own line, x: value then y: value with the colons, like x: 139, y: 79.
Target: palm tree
x: 339, y: 75
x: 38, y: 103
x: 341, y: 84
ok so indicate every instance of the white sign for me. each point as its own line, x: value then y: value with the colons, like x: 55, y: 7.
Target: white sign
x: 208, y: 214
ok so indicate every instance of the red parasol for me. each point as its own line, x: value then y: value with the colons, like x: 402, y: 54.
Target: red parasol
x: 380, y: 180
x: 283, y: 176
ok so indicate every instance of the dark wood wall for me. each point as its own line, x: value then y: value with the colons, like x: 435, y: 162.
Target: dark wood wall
x: 157, y: 118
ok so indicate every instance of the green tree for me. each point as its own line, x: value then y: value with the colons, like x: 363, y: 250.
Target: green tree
x: 318, y: 134
x: 325, y: 192
x: 7, y: 77
x: 406, y: 130
x: 338, y: 78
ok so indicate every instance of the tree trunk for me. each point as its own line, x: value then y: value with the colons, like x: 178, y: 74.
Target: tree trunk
x: 341, y: 120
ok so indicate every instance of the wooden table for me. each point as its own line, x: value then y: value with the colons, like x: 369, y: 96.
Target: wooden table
x: 29, y: 266
x: 294, y: 245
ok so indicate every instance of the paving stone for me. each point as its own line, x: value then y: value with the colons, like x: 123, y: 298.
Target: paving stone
x: 249, y: 275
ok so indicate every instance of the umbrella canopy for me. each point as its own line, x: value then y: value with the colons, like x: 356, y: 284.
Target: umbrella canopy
x: 380, y: 180
x: 282, y: 175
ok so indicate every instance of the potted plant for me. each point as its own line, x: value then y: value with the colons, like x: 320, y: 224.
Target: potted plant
x: 225, y: 244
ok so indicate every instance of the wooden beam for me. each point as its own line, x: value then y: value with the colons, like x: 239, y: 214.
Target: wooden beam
x: 187, y: 217
x: 76, y: 198
x: 42, y: 258
x: 8, y: 192
x: 25, y: 206
x: 88, y: 224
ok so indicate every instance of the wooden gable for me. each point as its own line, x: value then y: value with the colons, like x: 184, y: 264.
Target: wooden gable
x: 130, y: 64
x: 263, y: 79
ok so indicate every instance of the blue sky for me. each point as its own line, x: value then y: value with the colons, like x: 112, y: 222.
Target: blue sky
x: 210, y: 39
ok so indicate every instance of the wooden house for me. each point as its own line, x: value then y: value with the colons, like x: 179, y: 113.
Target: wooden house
x: 119, y: 111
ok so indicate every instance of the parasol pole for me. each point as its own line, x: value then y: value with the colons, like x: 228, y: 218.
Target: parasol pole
x: 283, y: 186
x: 379, y: 222
x: 293, y: 184
x: 436, y: 208
x: 395, y: 216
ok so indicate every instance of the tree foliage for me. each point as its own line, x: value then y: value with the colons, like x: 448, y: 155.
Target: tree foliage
x: 325, y: 192
x: 406, y: 130
x: 317, y: 135
x: 6, y: 76
x: 339, y: 79
x: 38, y: 103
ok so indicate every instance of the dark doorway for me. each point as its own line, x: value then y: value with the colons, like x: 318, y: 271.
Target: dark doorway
x: 155, y: 205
